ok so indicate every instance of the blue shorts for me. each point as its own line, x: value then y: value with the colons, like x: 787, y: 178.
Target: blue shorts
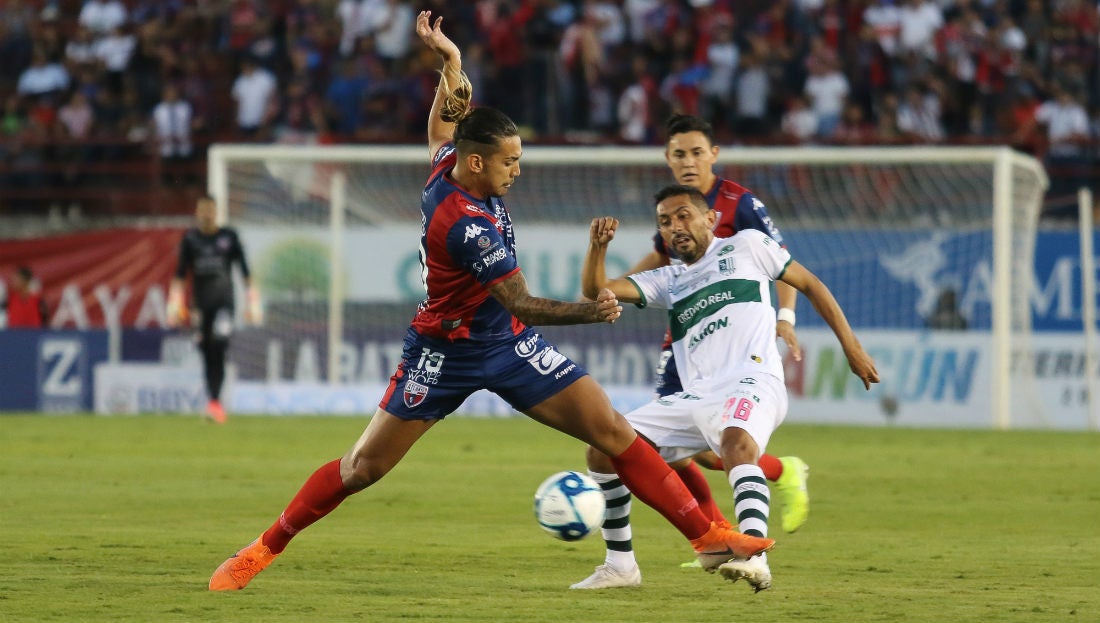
x: 668, y: 377
x: 436, y: 376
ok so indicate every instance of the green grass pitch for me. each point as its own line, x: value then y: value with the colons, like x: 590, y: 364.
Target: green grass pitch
x: 124, y: 518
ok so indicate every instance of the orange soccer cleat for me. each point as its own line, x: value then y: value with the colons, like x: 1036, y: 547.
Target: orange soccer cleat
x: 215, y: 411
x: 237, y: 571
x: 721, y: 545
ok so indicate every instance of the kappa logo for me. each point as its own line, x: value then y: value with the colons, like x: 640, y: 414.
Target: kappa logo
x: 415, y: 393
x: 473, y: 231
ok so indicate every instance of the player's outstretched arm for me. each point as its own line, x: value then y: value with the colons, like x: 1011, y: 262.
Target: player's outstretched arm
x: 594, y: 272
x: 807, y: 283
x: 784, y: 327
x: 454, y: 93
x: 536, y: 310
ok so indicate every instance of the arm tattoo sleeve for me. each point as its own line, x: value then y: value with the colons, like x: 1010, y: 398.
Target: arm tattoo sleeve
x: 533, y: 310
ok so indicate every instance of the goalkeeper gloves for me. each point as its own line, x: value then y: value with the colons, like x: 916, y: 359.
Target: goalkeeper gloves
x: 177, y: 311
x: 254, y: 309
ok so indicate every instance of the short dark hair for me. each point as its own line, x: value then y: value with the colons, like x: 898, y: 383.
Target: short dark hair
x: 682, y: 124
x: 25, y: 273
x: 481, y: 131
x: 675, y: 190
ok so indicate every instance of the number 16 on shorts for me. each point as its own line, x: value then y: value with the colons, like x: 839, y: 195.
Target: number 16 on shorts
x: 738, y: 408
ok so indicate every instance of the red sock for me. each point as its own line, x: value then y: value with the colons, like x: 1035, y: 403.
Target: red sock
x: 648, y: 477
x: 319, y: 496
x: 771, y: 467
x: 696, y: 483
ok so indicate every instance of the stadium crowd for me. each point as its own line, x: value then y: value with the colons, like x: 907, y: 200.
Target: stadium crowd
x: 91, y: 81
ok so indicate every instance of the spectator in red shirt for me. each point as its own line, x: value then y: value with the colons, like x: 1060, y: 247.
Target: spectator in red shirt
x: 25, y: 307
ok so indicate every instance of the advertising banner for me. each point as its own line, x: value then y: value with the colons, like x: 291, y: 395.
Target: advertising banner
x: 49, y: 371
x: 884, y: 279
x: 113, y: 277
x: 129, y: 388
x: 929, y: 378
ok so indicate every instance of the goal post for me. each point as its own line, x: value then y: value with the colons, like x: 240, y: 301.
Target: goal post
x: 893, y: 231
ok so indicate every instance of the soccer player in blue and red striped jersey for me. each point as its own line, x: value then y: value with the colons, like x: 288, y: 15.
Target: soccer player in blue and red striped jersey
x: 474, y: 331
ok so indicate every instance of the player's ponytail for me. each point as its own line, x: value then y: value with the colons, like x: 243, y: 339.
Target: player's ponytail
x: 456, y: 104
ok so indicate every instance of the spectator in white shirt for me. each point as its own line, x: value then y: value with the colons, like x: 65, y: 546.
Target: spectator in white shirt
x: 1066, y: 122
x: 392, y: 25
x: 172, y: 123
x: 114, y: 51
x: 254, y: 91
x: 751, y: 97
x: 884, y: 19
x: 42, y: 77
x: 639, y: 17
x: 610, y: 20
x: 80, y: 50
x: 919, y: 116
x: 919, y: 21
x: 355, y: 21
x: 799, y: 123
x: 634, y: 107
x: 826, y: 89
x: 722, y: 60
x: 1067, y: 134
x: 102, y: 16
x: 76, y: 119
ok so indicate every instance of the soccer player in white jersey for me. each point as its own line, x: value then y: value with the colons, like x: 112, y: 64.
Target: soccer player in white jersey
x: 723, y: 328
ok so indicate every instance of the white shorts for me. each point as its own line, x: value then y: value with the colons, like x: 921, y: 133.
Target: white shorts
x: 686, y: 423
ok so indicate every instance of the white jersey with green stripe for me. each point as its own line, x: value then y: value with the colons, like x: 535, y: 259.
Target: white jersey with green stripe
x: 720, y: 309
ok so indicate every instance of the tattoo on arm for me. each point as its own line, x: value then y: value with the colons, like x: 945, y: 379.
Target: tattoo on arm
x: 534, y: 310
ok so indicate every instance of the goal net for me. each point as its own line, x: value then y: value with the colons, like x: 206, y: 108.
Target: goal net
x: 930, y: 251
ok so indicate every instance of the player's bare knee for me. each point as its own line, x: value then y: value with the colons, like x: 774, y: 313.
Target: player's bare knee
x: 598, y: 462
x: 738, y: 447
x: 614, y: 435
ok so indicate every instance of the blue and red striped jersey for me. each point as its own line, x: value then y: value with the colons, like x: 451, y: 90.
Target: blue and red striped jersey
x: 466, y: 245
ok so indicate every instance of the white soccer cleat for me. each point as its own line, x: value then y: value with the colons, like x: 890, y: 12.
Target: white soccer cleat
x: 606, y: 576
x: 755, y: 571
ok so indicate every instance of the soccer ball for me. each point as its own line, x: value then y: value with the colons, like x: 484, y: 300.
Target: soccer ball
x: 569, y: 505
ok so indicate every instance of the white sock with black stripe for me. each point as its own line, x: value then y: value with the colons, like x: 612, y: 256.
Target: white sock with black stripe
x: 751, y: 499
x: 616, y: 531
